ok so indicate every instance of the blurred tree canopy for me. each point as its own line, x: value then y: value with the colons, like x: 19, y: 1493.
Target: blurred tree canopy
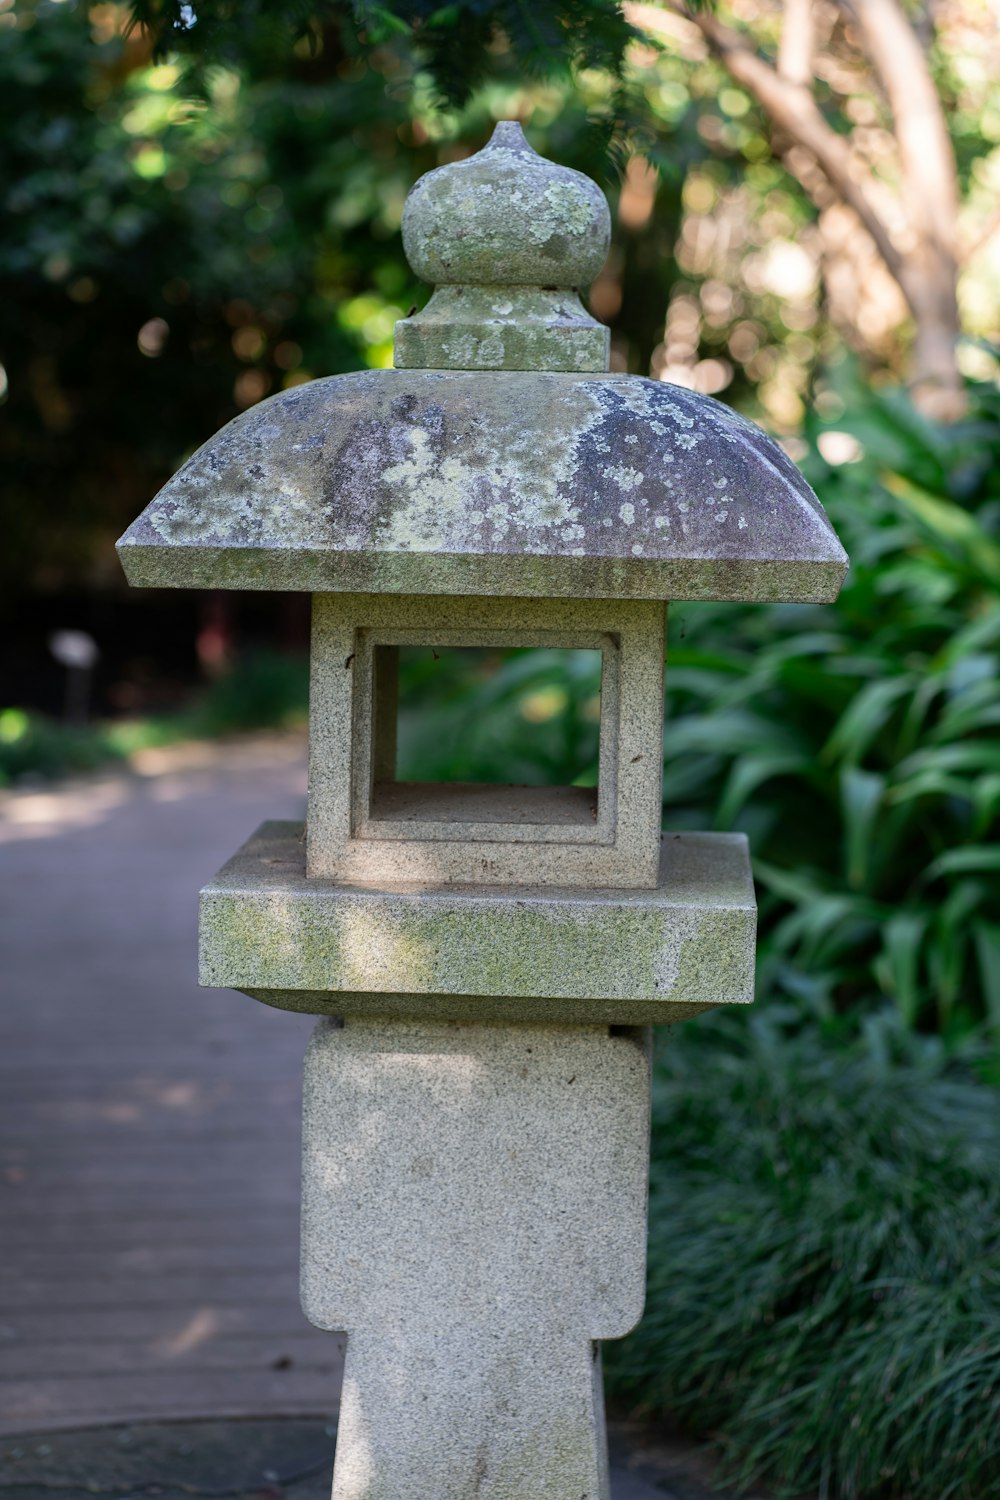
x: 460, y: 45
x: 203, y: 204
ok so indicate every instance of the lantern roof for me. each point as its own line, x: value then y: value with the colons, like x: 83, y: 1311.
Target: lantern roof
x: 500, y: 456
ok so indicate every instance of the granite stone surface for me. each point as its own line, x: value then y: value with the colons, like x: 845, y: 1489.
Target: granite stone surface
x: 474, y: 1207
x: 628, y: 957
x: 364, y: 827
x: 508, y: 237
x: 502, y: 328
x: 506, y: 215
x: 490, y: 482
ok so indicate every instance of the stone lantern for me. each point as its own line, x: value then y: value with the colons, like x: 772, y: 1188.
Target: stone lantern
x: 487, y: 960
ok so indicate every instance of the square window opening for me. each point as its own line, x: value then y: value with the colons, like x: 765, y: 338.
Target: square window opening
x: 486, y: 734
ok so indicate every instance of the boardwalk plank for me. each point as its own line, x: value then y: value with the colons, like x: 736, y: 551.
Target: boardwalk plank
x: 149, y: 1131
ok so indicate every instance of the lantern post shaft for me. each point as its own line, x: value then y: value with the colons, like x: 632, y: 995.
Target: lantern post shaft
x: 474, y: 1216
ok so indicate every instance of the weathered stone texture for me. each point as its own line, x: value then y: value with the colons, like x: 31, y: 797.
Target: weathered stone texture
x: 474, y: 1217
x: 629, y: 956
x: 502, y: 328
x: 506, y: 216
x: 508, y: 237
x: 366, y: 828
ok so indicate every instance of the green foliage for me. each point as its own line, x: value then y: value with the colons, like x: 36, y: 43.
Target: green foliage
x: 524, y: 717
x: 458, y: 44
x: 858, y: 745
x: 265, y: 690
x: 33, y: 745
x: 824, y: 1296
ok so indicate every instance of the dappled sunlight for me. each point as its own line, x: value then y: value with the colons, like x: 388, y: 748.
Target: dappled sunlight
x: 333, y: 1171
x: 81, y: 1111
x: 370, y: 953
x: 163, y: 774
x: 38, y: 815
x: 137, y: 1100
x: 202, y: 1326
x: 188, y: 1096
x: 353, y: 1478
x: 180, y: 1096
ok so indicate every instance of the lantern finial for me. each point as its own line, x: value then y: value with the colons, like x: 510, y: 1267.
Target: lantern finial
x: 507, y: 238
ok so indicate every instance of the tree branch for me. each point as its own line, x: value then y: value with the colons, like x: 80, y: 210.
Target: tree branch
x: 794, y: 111
x: 795, y: 51
x: 979, y: 241
x: 930, y: 180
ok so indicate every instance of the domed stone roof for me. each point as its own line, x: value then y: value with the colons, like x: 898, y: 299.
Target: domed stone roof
x: 513, y: 483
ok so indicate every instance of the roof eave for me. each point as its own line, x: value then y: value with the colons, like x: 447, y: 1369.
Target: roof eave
x: 803, y: 580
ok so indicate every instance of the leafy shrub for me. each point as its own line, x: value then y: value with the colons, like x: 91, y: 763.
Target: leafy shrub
x: 264, y: 690
x: 824, y: 1262
x: 33, y: 745
x: 859, y: 744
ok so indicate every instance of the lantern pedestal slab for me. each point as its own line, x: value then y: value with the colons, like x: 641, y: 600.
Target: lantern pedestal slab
x: 474, y: 1218
x: 478, y: 953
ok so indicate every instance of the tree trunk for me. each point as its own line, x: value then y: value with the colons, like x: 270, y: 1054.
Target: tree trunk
x: 923, y: 260
x: 929, y: 192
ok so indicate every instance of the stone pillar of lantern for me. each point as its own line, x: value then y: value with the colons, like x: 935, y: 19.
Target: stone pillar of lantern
x: 474, y: 1218
x: 487, y: 962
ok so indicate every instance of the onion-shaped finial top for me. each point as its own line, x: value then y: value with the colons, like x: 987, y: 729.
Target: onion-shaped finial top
x: 506, y: 217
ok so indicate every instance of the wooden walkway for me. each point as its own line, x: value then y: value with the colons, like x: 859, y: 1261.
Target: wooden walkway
x: 149, y: 1130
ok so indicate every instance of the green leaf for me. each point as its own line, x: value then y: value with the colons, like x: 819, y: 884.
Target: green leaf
x: 791, y: 885
x: 748, y: 774
x: 861, y: 794
x: 983, y: 631
x: 917, y: 710
x: 867, y: 715
x: 949, y: 522
x: 943, y: 758
x: 387, y: 23
x: 947, y: 955
x: 986, y: 801
x: 973, y: 859
x: 966, y: 719
x: 899, y: 961
x: 931, y: 784
x: 823, y: 928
